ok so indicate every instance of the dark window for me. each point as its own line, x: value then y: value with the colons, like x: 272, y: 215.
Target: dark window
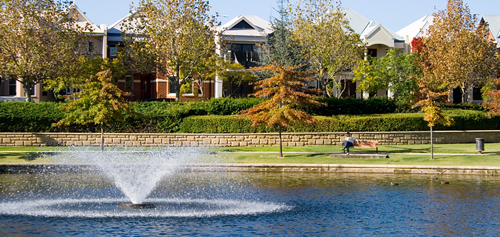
x: 457, y: 95
x: 91, y: 47
x: 171, y: 85
x: 476, y: 94
x: 242, y: 25
x: 372, y: 53
x: 245, y: 54
x: 45, y: 93
x: 12, y: 87
x: 129, y: 83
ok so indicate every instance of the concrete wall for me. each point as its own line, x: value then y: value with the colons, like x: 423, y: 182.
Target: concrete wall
x: 240, y: 139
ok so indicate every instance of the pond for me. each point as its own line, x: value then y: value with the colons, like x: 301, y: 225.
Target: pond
x: 250, y: 204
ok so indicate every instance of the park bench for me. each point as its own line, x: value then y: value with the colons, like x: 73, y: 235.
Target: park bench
x: 364, y: 144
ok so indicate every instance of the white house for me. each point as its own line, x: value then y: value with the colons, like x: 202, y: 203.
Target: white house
x: 378, y: 41
x: 241, y: 40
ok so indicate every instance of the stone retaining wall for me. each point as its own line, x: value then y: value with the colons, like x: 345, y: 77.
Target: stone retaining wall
x: 240, y: 139
x: 279, y: 168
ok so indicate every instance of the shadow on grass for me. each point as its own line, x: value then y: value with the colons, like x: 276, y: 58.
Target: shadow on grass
x: 396, y: 149
x: 316, y: 155
x: 27, y: 156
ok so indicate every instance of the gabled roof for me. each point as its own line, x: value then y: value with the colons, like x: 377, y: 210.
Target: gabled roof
x: 371, y: 32
x: 356, y: 21
x: 115, y: 28
x: 494, y: 26
x: 259, y: 27
x: 418, y: 28
x: 83, y: 20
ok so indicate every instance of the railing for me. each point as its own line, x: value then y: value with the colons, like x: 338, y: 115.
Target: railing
x: 12, y: 98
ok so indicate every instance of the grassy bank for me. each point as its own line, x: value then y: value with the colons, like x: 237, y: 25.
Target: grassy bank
x: 445, y: 155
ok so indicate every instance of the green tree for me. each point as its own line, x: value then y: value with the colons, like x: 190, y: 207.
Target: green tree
x: 172, y: 37
x: 285, y: 89
x: 40, y: 40
x: 457, y: 51
x: 83, y: 70
x: 99, y: 101
x: 280, y: 46
x: 327, y: 41
x: 394, y: 71
x: 236, y: 74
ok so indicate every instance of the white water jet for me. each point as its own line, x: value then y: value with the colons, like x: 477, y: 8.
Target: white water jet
x: 136, y: 171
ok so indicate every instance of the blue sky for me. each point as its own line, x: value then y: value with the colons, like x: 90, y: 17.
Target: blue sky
x: 393, y: 14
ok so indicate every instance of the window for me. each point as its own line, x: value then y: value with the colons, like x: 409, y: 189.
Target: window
x: 242, y: 25
x: 91, y: 47
x: 372, y: 53
x: 171, y: 85
x: 476, y: 93
x: 129, y: 83
x: 113, y: 52
x: 245, y: 54
x: 12, y: 87
x: 45, y: 93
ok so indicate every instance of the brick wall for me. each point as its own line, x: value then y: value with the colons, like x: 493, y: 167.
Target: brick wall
x: 241, y: 139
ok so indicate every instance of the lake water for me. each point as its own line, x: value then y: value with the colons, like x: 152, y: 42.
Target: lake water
x: 253, y: 204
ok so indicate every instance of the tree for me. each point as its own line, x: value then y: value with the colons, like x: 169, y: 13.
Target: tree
x: 171, y: 37
x: 394, y: 71
x: 280, y: 46
x: 285, y: 89
x: 235, y: 73
x: 434, y: 114
x: 84, y: 69
x: 99, y: 102
x: 491, y: 97
x: 457, y: 51
x: 328, y: 42
x: 40, y: 40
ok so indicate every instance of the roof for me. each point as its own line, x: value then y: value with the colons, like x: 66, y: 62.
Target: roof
x: 357, y: 22
x: 418, y: 28
x: 259, y: 27
x: 368, y: 29
x: 494, y: 25
x: 83, y: 19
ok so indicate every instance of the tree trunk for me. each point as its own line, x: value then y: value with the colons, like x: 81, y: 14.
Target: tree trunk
x: 281, y: 146
x: 28, y: 88
x: 102, y: 137
x: 432, y: 146
x: 464, y: 94
x: 177, y: 83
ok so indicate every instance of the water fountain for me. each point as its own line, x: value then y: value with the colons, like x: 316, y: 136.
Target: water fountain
x: 187, y: 203
x: 136, y: 173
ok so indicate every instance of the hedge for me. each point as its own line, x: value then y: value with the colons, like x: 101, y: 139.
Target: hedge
x: 337, y: 106
x: 464, y: 120
x: 173, y: 117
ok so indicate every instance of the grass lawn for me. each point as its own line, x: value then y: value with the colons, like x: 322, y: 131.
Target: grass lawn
x: 394, y: 159
x: 457, y: 155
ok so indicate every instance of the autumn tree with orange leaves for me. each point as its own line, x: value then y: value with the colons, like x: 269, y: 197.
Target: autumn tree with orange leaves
x: 433, y: 113
x: 286, y: 88
x: 457, y: 51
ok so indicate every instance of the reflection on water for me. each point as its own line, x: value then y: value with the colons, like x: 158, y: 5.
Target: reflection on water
x: 257, y: 204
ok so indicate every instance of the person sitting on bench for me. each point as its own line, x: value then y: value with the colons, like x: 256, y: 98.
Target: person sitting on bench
x: 348, y: 141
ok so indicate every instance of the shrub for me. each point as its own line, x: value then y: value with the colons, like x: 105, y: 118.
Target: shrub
x: 230, y: 106
x: 337, y: 106
x: 387, y: 122
x: 25, y: 117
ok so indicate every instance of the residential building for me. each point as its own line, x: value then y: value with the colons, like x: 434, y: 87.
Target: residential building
x: 12, y: 90
x: 420, y: 28
x: 378, y: 41
x: 242, y: 38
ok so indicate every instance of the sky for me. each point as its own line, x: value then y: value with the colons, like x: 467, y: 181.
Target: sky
x: 393, y: 14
